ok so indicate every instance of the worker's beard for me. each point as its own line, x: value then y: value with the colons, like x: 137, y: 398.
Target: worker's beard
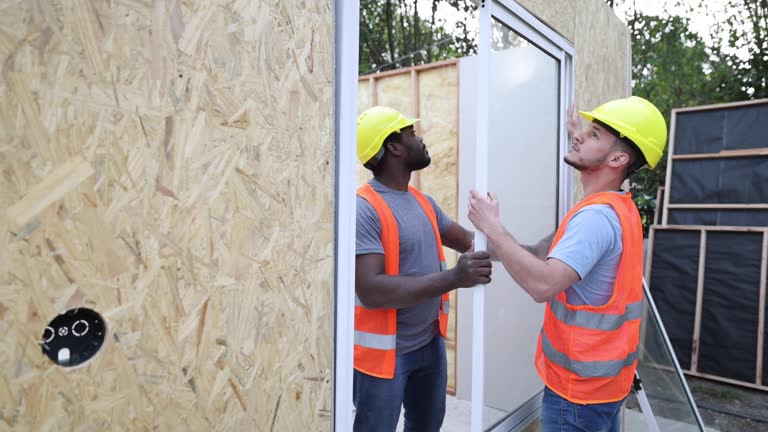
x: 582, y: 165
x: 419, y: 162
x: 576, y: 165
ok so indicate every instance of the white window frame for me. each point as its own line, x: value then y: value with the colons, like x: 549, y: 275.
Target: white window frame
x: 347, y: 41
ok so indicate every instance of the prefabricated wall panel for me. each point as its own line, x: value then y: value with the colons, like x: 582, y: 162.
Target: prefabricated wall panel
x: 730, y: 305
x: 709, y: 286
x: 725, y: 128
x: 169, y: 165
x: 430, y: 93
x: 717, y: 173
x: 672, y: 281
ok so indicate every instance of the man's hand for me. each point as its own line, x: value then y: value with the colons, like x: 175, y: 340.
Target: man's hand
x: 484, y: 214
x: 572, y: 120
x: 473, y: 268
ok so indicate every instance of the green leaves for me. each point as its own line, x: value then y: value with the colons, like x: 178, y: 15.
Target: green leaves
x: 673, y: 67
x: 394, y: 34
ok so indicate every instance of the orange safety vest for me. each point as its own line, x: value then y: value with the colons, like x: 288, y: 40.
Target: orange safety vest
x: 376, y: 329
x: 588, y: 354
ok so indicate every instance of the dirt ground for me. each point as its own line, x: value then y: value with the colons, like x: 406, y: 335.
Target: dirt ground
x: 730, y: 408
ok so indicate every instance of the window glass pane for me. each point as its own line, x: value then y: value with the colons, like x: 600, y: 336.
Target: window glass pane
x: 663, y: 387
x: 522, y: 169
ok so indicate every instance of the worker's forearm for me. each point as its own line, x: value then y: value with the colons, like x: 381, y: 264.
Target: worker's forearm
x: 529, y: 271
x: 389, y: 292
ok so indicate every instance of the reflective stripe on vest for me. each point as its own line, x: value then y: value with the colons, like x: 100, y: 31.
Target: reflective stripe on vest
x: 375, y: 341
x: 376, y: 329
x: 588, y: 354
x: 592, y: 320
x: 586, y: 369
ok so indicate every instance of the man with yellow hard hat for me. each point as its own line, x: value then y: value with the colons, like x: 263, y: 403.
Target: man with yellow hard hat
x: 401, y: 281
x: 590, y: 272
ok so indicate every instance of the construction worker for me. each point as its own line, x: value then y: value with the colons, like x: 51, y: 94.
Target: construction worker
x: 402, y: 286
x: 590, y: 272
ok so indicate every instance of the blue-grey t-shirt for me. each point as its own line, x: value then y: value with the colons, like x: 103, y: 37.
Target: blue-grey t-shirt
x: 416, y: 325
x: 592, y: 247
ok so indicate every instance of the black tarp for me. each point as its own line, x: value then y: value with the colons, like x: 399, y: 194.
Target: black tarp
x: 731, y: 128
x: 699, y: 132
x: 674, y: 271
x: 723, y: 181
x: 717, y: 217
x: 746, y: 127
x: 729, y: 318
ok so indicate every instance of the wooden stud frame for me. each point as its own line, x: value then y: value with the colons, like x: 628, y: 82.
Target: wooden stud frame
x: 725, y: 154
x: 703, y: 230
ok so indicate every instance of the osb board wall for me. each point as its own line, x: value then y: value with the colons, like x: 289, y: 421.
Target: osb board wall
x: 438, y: 111
x: 559, y: 15
x: 602, y: 57
x: 169, y: 165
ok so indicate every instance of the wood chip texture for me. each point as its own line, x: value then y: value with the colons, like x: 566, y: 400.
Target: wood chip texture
x: 169, y: 164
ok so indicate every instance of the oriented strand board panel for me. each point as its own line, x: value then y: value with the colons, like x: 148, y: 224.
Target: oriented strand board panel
x: 363, y: 95
x: 559, y: 15
x: 394, y: 91
x: 363, y: 103
x: 169, y: 165
x: 438, y: 109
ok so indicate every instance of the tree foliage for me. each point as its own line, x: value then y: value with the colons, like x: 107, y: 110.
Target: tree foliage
x: 673, y: 67
x: 393, y: 34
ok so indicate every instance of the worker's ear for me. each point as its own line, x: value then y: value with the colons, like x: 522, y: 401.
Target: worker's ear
x: 395, y: 148
x: 618, y: 159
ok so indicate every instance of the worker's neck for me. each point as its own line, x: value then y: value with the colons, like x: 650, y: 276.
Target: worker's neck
x: 600, y: 181
x: 395, y: 179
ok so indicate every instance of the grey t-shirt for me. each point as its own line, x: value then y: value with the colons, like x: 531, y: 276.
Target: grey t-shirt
x: 592, y: 247
x: 416, y: 325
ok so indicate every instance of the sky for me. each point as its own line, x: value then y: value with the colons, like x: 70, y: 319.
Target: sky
x: 700, y: 20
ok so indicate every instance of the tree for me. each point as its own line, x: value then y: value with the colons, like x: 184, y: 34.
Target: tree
x: 672, y: 67
x: 746, y: 26
x: 393, y: 34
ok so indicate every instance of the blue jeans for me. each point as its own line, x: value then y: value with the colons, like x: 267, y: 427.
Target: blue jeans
x: 561, y: 415
x: 419, y: 386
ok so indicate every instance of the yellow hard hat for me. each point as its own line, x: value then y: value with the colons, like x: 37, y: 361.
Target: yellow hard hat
x: 373, y: 126
x: 637, y: 119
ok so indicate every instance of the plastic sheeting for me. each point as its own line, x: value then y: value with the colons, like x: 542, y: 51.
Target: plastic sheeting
x: 734, y: 128
x: 730, y: 307
x: 673, y: 286
x: 742, y: 180
x: 718, y: 217
x: 730, y: 300
x: 726, y: 181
